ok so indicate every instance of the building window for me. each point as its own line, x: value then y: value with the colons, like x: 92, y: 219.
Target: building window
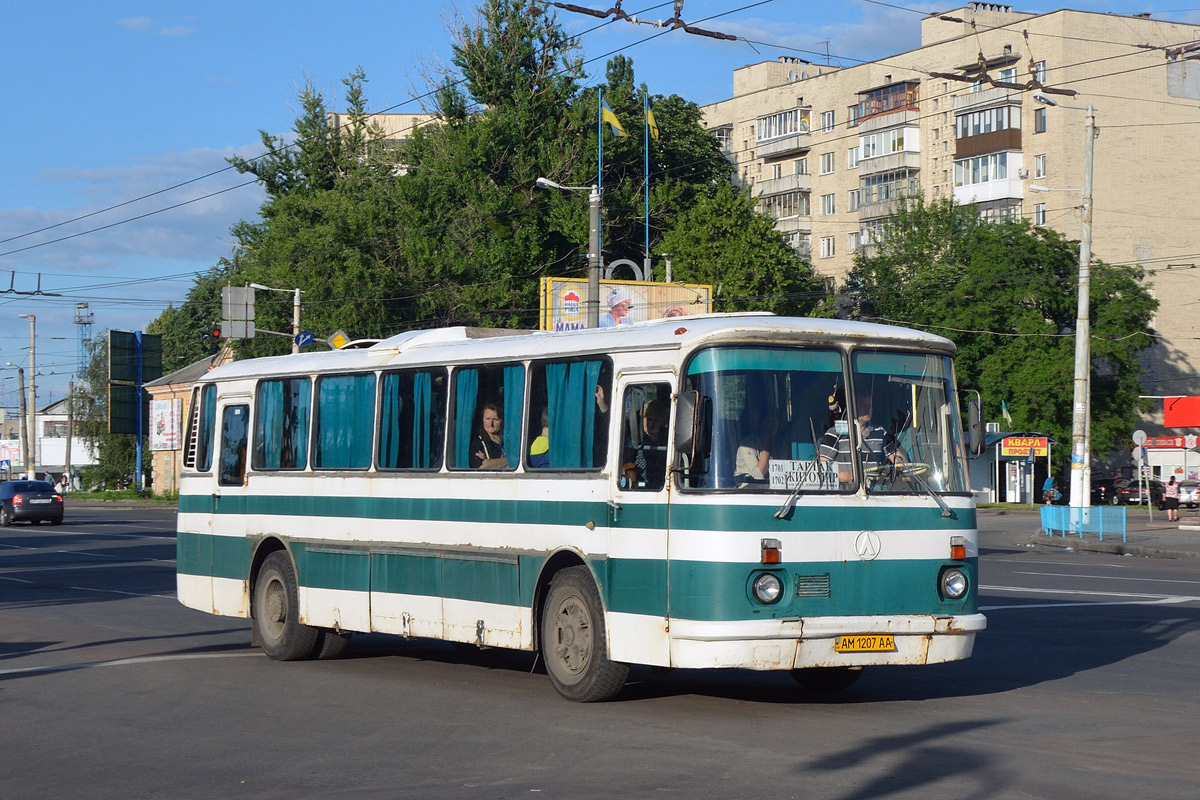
x: 981, y: 169
x: 54, y: 430
x: 827, y: 121
x: 988, y: 120
x: 826, y: 163
x: 1039, y: 166
x: 854, y: 200
x: 1008, y: 75
x: 827, y: 205
x: 827, y: 247
x: 887, y: 186
x: 785, y: 123
x: 801, y: 166
x: 1039, y: 120
x: 854, y: 242
x: 885, y: 143
x: 852, y: 157
x: 786, y: 204
x: 852, y: 115
x: 1039, y: 214
x: 1039, y: 72
x: 777, y: 171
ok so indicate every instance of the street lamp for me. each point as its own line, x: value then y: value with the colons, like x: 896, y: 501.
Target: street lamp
x: 1081, y: 469
x: 593, y: 301
x: 295, y: 312
x: 31, y: 464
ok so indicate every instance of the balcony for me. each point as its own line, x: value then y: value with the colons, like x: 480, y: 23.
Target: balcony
x: 892, y: 161
x: 1008, y: 139
x: 787, y: 183
x: 903, y: 118
x: 798, y: 224
x: 985, y: 98
x: 784, y: 145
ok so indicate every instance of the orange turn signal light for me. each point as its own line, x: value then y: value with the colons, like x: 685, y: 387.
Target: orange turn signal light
x: 772, y: 551
x: 958, y: 548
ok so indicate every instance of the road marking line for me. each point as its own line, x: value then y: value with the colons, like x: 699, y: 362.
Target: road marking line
x: 116, y: 591
x: 1105, y: 577
x: 127, y: 662
x: 1159, y: 602
x: 1058, y: 563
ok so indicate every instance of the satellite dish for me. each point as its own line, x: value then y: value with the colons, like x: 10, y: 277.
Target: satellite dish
x: 803, y: 76
x: 792, y: 75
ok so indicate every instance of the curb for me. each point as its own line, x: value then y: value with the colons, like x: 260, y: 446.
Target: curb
x: 1112, y: 548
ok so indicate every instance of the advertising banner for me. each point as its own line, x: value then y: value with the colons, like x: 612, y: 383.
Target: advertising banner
x: 1020, y: 446
x: 165, y: 421
x: 564, y: 302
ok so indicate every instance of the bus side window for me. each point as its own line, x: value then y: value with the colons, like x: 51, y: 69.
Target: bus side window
x: 412, y: 425
x: 645, y: 416
x: 575, y: 398
x: 234, y: 433
x: 497, y: 393
x: 202, y: 418
x: 281, y: 414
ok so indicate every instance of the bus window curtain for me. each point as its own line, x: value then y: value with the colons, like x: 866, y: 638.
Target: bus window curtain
x: 268, y: 425
x: 208, y: 429
x: 572, y: 412
x: 297, y: 400
x: 422, y: 390
x: 348, y: 403
x: 466, y: 389
x: 389, y: 423
x: 514, y: 397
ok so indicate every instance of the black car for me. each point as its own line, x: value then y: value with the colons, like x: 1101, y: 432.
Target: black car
x: 1133, y: 492
x: 30, y: 500
x: 1105, y: 492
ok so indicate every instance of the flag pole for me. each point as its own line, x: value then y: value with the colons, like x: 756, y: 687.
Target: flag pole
x: 600, y: 158
x: 646, y: 139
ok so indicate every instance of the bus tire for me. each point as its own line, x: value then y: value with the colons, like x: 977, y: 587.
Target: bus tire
x: 277, y: 611
x: 574, y: 643
x: 827, y: 679
x: 330, y: 644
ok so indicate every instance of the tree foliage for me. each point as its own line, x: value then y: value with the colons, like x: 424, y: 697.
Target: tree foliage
x: 1006, y: 293
x: 116, y: 453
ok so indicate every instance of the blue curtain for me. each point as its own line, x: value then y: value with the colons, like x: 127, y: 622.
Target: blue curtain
x: 572, y: 409
x: 422, y: 390
x: 466, y: 389
x: 296, y: 406
x: 389, y: 424
x: 345, y: 421
x: 268, y: 423
x: 514, y: 396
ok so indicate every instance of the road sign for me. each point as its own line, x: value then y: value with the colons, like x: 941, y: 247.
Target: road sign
x: 1145, y: 470
x: 304, y: 338
x: 237, y: 312
x: 338, y: 340
x: 1139, y: 437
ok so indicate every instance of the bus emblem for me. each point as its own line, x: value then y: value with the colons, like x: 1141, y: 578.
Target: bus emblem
x: 867, y: 545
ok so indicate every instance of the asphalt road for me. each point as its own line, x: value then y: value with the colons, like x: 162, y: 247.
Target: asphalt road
x: 1084, y: 685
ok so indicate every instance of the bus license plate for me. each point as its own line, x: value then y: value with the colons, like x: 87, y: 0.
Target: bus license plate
x: 876, y: 643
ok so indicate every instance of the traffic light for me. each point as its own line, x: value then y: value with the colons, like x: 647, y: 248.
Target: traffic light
x: 212, y: 339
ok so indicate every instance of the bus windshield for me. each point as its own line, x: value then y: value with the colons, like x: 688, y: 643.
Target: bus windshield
x: 782, y: 420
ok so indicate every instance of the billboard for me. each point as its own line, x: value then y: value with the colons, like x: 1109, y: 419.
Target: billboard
x: 1021, y: 445
x: 166, y: 424
x: 564, y: 302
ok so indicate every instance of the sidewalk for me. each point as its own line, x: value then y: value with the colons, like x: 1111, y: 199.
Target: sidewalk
x: 1155, y: 538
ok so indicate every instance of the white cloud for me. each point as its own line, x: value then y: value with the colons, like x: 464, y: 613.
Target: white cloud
x: 136, y: 23
x: 177, y: 30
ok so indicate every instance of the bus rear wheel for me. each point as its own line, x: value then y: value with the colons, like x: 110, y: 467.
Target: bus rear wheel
x: 827, y: 679
x: 330, y: 644
x: 574, y: 642
x: 277, y: 611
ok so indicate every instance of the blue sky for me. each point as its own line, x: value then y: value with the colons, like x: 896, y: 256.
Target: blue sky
x: 106, y: 102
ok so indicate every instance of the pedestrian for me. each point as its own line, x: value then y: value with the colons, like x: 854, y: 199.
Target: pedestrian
x: 1048, y: 490
x: 1171, y: 500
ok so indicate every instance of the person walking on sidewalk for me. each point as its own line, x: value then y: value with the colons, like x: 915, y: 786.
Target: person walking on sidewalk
x: 1171, y: 500
x: 1049, y: 493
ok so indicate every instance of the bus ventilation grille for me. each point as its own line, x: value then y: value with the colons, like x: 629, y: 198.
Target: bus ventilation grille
x: 812, y: 585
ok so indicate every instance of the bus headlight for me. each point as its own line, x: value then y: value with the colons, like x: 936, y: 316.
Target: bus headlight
x: 954, y: 584
x: 767, y: 588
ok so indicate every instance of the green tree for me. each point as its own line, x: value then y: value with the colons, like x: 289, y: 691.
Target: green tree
x: 722, y: 240
x: 182, y: 329
x: 1006, y: 293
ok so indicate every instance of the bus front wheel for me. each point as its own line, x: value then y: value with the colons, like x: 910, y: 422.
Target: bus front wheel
x: 827, y: 679
x: 277, y: 611
x: 574, y: 642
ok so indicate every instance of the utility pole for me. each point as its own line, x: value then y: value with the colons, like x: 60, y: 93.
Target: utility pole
x: 31, y: 464
x: 24, y: 418
x: 70, y: 431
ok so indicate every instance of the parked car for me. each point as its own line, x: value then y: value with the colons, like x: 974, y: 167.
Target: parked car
x: 1189, y: 493
x: 1104, y: 492
x: 33, y: 501
x: 1134, y: 492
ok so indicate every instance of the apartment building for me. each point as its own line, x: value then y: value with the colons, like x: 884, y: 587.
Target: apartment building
x: 829, y: 151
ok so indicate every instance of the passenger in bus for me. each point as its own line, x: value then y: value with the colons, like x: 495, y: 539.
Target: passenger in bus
x: 878, y: 446
x: 752, y: 463
x: 489, y: 444
x: 539, y: 449
x: 645, y: 463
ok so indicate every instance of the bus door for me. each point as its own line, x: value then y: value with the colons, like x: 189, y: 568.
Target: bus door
x: 638, y: 515
x: 231, y: 549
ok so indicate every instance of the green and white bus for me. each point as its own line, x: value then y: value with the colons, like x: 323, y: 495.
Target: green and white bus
x: 701, y: 492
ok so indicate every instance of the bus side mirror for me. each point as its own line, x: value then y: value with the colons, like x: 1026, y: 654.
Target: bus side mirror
x: 974, y: 424
x: 693, y: 427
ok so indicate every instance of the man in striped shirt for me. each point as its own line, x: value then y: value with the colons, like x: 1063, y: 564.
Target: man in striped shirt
x: 878, y: 446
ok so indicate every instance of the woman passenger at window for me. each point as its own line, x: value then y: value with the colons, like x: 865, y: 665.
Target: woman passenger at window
x: 488, y: 452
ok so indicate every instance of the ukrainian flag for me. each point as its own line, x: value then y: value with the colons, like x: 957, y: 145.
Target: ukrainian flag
x: 651, y: 124
x: 609, y: 116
